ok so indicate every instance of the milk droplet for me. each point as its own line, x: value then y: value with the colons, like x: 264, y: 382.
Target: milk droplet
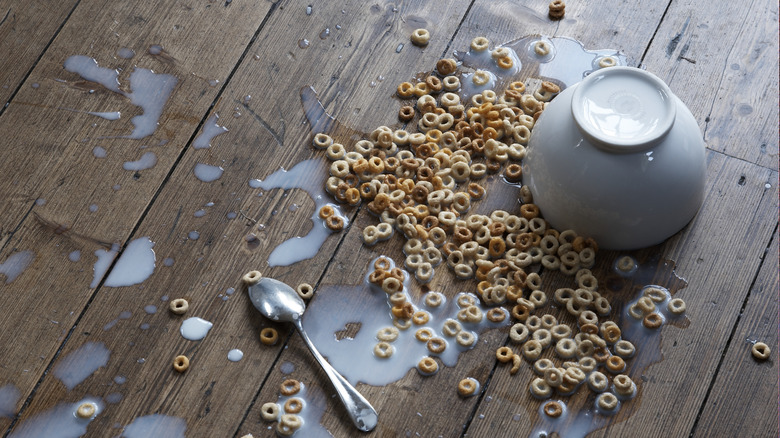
x: 235, y: 355
x: 168, y: 261
x: 150, y: 91
x: 9, y: 397
x: 120, y: 380
x: 155, y: 425
x: 303, y: 43
x: 40, y: 201
x: 147, y: 160
x: 155, y: 49
x: 110, y: 115
x: 125, y: 53
x: 16, y: 264
x: 150, y: 309
x: 74, y: 256
x: 207, y: 173
x: 135, y: 265
x: 199, y: 213
x: 193, y: 235
x: 195, y: 329
x: 99, y: 152
x: 93, y: 208
x: 287, y: 368
x: 81, y: 363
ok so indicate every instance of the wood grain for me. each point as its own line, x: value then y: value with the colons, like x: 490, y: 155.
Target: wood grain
x: 727, y: 411
x: 248, y: 62
x: 738, y: 103
x: 48, y: 156
x: 26, y: 29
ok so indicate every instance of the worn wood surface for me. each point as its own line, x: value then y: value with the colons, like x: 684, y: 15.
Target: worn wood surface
x: 719, y: 59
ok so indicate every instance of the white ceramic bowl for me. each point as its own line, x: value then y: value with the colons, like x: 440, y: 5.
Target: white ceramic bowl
x: 619, y: 158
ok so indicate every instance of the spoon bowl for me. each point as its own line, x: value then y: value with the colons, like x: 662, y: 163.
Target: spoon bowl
x: 279, y: 302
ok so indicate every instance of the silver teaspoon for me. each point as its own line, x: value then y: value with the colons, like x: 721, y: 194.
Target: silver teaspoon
x: 279, y: 302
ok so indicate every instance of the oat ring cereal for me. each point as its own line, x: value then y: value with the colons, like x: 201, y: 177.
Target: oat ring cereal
x: 436, y: 345
x: 288, y: 424
x: 421, y: 317
x: 290, y: 387
x: 424, y: 334
x: 480, y: 77
x: 427, y: 366
x: 387, y: 334
x: 761, y: 351
x: 86, y: 410
x: 383, y: 350
x: 467, y: 387
x: 465, y: 338
x: 293, y: 405
x: 607, y: 402
x: 676, y: 306
x: 615, y: 364
x: 251, y: 277
x: 480, y: 44
x: 504, y: 354
x: 553, y: 409
x: 433, y: 299
x: 179, y: 306
x: 653, y: 321
x: 181, y: 363
x: 270, y: 411
x: 420, y: 37
x: 326, y: 211
x: 540, y: 389
x: 496, y: 314
x: 269, y: 336
x: 451, y: 327
x: 305, y: 291
x: 607, y: 61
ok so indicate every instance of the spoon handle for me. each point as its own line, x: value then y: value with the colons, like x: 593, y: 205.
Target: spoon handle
x: 363, y: 415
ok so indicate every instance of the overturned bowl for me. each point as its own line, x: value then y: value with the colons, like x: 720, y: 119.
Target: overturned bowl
x: 619, y: 158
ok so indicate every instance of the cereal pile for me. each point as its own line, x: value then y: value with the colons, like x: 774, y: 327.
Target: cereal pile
x: 421, y: 183
x: 287, y: 412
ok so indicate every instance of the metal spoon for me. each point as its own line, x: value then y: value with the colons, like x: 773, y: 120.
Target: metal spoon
x: 279, y: 302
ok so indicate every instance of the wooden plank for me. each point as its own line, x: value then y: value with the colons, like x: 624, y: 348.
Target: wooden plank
x: 270, y: 133
x: 687, y: 353
x: 91, y: 202
x: 721, y: 61
x: 26, y: 28
x: 728, y: 411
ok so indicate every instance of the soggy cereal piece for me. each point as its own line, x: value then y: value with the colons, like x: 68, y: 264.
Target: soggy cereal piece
x: 553, y: 409
x: 322, y: 141
x: 615, y: 364
x: 423, y: 334
x: 288, y: 424
x: 420, y: 37
x: 480, y: 78
x: 676, y: 306
x: 269, y: 336
x: 436, y: 345
x: 290, y: 387
x: 624, y: 386
x: 625, y: 264
x: 607, y: 61
x: 465, y: 338
x: 540, y: 389
x: 383, y: 350
x: 421, y: 317
x: 179, y: 306
x: 607, y: 402
x: 446, y: 66
x: 434, y: 299
x: 532, y: 349
x: 305, y: 291
x: 251, y: 277
x: 556, y: 9
x: 427, y: 366
x: 270, y: 411
x: 293, y: 405
x: 653, y: 321
x: 597, y: 381
x: 761, y: 351
x: 86, y: 410
x: 451, y: 327
x: 181, y: 363
x: 387, y: 334
x: 468, y: 387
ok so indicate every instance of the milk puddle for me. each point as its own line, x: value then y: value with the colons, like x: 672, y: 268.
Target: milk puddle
x: 312, y: 406
x: 16, y: 264
x: 334, y: 307
x: 81, y: 363
x: 307, y: 175
x: 62, y: 421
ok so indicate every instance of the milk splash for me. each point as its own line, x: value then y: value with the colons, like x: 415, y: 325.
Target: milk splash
x: 149, y: 91
x: 306, y: 175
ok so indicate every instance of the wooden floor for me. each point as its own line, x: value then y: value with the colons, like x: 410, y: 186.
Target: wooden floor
x: 65, y: 195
